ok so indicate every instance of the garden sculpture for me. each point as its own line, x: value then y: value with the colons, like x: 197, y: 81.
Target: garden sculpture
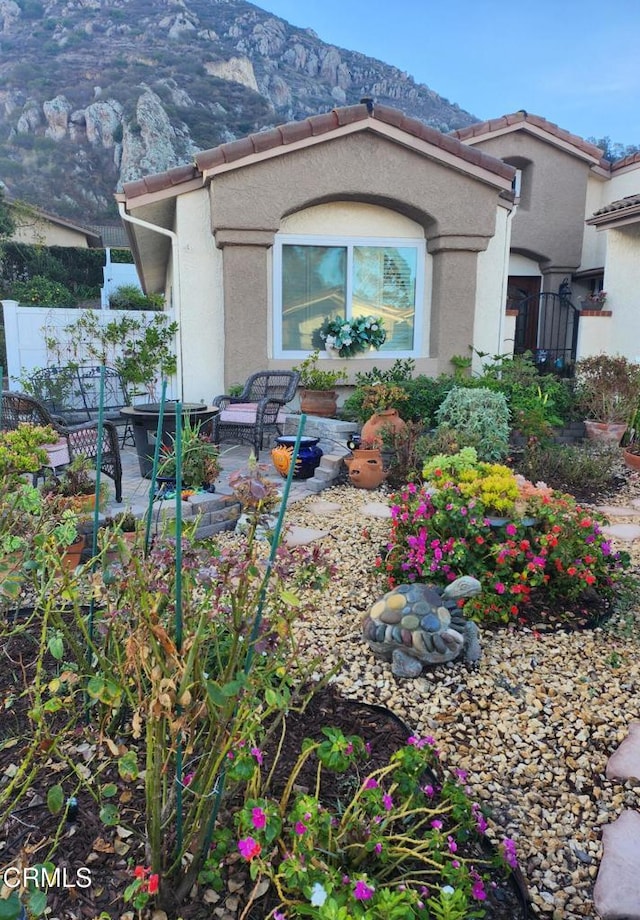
x: 416, y: 624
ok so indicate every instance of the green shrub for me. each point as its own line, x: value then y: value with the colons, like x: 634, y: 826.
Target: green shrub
x: 40, y: 291
x: 130, y: 297
x: 480, y: 419
x: 571, y: 468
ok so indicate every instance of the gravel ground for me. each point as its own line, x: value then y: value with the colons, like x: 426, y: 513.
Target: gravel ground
x: 534, y: 723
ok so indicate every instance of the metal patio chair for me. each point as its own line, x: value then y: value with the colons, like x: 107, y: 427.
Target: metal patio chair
x: 253, y: 414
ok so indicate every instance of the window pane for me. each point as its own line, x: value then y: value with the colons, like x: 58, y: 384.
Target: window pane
x: 384, y: 284
x: 314, y: 281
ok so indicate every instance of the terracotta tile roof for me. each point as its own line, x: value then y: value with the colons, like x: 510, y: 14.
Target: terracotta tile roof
x: 626, y: 161
x: 622, y: 204
x: 506, y: 121
x: 314, y: 126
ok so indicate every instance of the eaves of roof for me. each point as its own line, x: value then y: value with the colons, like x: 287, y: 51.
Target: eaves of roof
x: 617, y: 213
x: 535, y: 124
x: 294, y: 135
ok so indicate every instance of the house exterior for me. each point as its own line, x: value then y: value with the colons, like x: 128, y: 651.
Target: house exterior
x: 576, y: 225
x: 38, y: 228
x: 487, y: 238
x: 358, y: 211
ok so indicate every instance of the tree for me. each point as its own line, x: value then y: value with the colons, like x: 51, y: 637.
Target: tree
x: 7, y: 223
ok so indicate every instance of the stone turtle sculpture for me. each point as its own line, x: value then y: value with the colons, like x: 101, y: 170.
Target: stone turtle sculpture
x: 417, y: 624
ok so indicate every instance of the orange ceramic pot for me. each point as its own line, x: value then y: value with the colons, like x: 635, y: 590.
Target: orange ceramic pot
x: 319, y: 402
x: 73, y: 553
x: 365, y: 469
x: 610, y: 432
x: 384, y: 420
x: 632, y: 460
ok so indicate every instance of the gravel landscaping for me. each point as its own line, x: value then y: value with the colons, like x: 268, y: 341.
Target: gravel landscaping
x: 533, y: 723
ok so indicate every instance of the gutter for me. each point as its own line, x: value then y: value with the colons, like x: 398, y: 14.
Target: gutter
x: 177, y: 299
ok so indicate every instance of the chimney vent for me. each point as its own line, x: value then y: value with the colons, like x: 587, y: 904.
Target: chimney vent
x: 368, y: 101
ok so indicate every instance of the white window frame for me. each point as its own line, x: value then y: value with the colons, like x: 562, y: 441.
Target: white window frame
x: 287, y: 239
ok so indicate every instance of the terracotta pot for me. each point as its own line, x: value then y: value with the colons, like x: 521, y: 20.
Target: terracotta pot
x: 366, y: 470
x: 383, y: 420
x: 319, y: 402
x: 609, y: 432
x: 73, y: 553
x: 632, y: 460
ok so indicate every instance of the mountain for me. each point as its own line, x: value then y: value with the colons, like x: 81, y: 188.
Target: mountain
x: 94, y: 93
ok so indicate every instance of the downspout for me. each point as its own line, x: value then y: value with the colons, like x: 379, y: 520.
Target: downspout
x: 177, y: 298
x: 505, y: 283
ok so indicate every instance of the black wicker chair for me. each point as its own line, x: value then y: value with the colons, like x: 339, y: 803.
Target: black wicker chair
x: 81, y: 439
x: 254, y: 413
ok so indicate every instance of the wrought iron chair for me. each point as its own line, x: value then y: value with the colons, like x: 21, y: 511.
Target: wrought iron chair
x: 254, y: 413
x: 81, y: 439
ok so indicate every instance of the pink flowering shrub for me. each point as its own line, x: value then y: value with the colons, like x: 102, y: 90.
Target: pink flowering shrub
x: 399, y: 845
x: 553, y: 550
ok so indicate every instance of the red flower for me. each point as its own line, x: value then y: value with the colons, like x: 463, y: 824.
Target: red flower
x: 140, y: 872
x: 153, y: 883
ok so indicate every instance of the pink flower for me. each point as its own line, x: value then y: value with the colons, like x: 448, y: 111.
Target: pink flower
x: 461, y: 774
x: 362, y: 892
x: 300, y: 828
x: 428, y: 790
x: 186, y: 780
x: 257, y: 753
x: 478, y: 891
x: 387, y: 801
x: 511, y: 530
x: 500, y: 589
x: 371, y: 783
x: 249, y: 848
x: 436, y: 825
x: 378, y: 848
x: 453, y: 846
x: 258, y: 818
x: 509, y: 852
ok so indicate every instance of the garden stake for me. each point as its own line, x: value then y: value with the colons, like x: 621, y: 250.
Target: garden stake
x: 96, y: 518
x: 154, y: 469
x: 1, y: 378
x: 178, y: 619
x: 258, y: 619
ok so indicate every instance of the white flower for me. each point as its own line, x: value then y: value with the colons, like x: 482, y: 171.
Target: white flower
x: 374, y: 327
x: 447, y: 889
x: 318, y: 895
x: 330, y: 340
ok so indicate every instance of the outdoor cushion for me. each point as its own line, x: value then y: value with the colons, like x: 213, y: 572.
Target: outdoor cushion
x: 244, y: 414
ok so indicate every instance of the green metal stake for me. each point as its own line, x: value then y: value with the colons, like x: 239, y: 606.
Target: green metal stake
x: 154, y: 469
x: 178, y: 615
x: 96, y: 508
x: 258, y: 619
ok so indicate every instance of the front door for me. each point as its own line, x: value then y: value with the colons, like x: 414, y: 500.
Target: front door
x: 522, y: 291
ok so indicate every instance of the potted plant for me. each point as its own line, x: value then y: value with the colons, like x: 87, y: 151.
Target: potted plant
x: 382, y: 399
x: 345, y: 338
x: 75, y: 486
x: 594, y: 301
x: 607, y: 392
x: 317, y: 387
x: 200, y: 459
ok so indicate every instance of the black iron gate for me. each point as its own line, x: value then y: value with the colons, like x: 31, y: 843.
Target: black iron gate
x: 547, y: 326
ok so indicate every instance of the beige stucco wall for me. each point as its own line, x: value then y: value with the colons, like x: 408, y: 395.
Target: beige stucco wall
x: 523, y: 266
x: 39, y: 232
x: 622, y: 283
x: 201, y: 316
x: 594, y: 245
x: 456, y: 212
x: 488, y: 333
x: 548, y: 224
x: 594, y: 336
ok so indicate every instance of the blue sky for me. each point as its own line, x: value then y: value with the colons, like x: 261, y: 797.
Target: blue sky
x: 574, y: 62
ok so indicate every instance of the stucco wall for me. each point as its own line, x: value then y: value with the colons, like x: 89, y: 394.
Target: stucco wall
x: 41, y: 233
x: 594, y: 246
x: 456, y: 212
x: 622, y: 283
x: 549, y: 221
x: 488, y: 332
x: 201, y: 321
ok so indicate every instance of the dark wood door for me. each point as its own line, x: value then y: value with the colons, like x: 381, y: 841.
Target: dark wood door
x: 521, y: 289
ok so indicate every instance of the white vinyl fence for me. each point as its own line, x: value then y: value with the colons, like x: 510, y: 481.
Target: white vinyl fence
x: 26, y: 329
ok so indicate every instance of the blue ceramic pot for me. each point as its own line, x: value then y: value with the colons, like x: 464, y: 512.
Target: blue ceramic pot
x: 309, y: 455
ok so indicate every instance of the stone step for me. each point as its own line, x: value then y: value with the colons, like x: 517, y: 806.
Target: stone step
x: 617, y: 890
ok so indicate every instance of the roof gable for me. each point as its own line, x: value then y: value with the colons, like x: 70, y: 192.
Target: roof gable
x: 538, y: 126
x: 316, y: 129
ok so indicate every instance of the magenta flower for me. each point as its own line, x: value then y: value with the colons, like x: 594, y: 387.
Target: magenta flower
x: 378, y: 849
x: 371, y: 783
x: 478, y: 891
x: 387, y: 801
x: 300, y: 828
x: 362, y: 892
x: 249, y: 848
x: 509, y: 852
x: 428, y: 790
x: 453, y: 846
x: 436, y: 825
x: 500, y: 588
x: 257, y: 753
x: 461, y: 774
x: 258, y: 818
x: 511, y: 530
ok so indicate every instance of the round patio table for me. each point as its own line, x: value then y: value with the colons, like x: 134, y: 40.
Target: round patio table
x: 143, y: 419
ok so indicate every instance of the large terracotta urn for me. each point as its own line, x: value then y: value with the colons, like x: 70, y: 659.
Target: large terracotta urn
x: 383, y: 420
x: 366, y: 470
x: 319, y: 402
x: 609, y: 432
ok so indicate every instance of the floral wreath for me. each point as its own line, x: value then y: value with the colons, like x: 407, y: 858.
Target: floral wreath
x: 353, y: 336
